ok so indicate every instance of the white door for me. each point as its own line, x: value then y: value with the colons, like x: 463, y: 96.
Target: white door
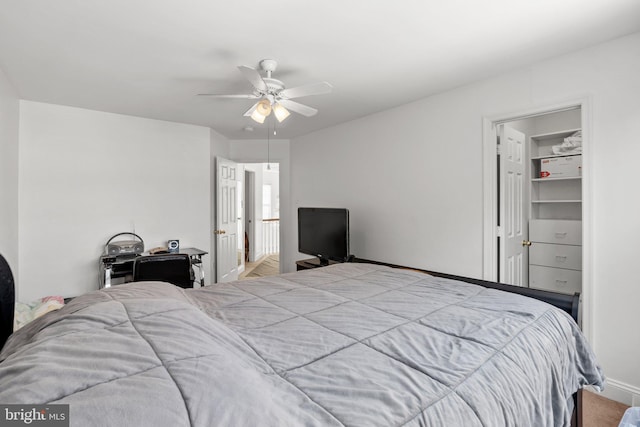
x: 226, y: 231
x: 513, y: 209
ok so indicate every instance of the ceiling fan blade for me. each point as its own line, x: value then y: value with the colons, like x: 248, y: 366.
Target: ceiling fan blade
x: 254, y: 78
x: 251, y: 110
x: 238, y: 96
x: 298, y: 108
x: 306, y: 90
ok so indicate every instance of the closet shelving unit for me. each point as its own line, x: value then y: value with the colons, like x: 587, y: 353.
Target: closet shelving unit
x: 553, y: 198
x: 555, y: 228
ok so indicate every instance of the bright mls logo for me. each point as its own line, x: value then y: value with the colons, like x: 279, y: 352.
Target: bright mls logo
x: 34, y: 415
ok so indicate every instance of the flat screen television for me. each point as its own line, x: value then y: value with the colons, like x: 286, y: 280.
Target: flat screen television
x: 324, y: 233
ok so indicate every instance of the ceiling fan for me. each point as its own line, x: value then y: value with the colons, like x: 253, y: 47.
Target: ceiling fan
x: 272, y: 94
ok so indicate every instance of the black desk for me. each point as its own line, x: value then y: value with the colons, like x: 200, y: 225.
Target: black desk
x: 112, y: 267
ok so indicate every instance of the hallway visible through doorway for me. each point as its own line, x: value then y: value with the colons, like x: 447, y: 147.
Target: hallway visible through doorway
x: 267, y: 266
x: 259, y: 218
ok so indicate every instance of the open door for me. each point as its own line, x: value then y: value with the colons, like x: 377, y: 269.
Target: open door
x: 226, y: 232
x: 513, y: 208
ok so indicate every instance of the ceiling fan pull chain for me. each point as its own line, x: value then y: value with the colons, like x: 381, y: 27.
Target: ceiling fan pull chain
x: 269, y: 146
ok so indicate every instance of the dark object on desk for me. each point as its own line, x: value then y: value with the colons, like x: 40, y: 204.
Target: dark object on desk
x: 172, y: 268
x: 7, y: 301
x: 173, y: 246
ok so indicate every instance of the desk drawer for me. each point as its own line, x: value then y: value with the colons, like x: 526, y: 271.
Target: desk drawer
x: 560, y: 256
x: 564, y: 232
x: 555, y: 279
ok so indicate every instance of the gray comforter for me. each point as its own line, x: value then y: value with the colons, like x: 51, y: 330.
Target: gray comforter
x: 350, y: 344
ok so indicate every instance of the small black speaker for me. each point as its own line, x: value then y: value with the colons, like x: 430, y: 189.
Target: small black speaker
x: 173, y: 246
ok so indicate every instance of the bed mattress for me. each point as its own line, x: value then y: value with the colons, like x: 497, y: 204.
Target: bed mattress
x: 344, y: 345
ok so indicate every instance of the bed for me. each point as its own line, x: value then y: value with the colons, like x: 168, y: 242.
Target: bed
x: 354, y: 344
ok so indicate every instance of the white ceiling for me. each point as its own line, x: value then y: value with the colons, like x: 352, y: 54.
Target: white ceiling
x: 149, y: 58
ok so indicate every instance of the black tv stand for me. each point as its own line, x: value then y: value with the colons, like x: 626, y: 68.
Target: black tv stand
x: 307, y: 264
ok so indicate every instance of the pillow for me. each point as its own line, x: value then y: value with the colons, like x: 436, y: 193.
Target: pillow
x: 26, y: 312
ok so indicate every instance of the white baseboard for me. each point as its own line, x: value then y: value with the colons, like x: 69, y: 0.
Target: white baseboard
x: 621, y: 392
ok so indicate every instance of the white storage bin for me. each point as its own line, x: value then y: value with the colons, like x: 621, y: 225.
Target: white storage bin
x: 561, y: 167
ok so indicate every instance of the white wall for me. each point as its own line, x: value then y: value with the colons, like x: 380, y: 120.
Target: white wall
x: 86, y: 175
x: 9, y: 120
x: 412, y: 179
x: 271, y: 177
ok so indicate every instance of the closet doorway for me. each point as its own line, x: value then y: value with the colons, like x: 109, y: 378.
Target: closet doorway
x: 555, y: 211
x: 539, y: 182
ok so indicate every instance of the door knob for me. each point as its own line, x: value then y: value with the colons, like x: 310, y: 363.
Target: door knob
x: 219, y: 232
x: 526, y: 243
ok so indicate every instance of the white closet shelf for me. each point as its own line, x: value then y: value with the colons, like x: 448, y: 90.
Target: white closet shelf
x: 556, y: 201
x: 553, y: 156
x: 556, y: 179
x: 556, y: 134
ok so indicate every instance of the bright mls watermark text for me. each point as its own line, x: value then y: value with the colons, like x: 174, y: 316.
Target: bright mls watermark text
x: 34, y: 415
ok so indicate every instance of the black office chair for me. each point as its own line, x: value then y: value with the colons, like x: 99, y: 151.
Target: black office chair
x: 7, y: 301
x: 172, y: 268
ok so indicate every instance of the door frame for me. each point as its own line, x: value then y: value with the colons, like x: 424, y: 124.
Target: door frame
x: 490, y: 196
x: 250, y: 211
x: 241, y: 217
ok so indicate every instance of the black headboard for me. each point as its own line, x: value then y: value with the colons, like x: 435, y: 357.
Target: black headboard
x: 565, y: 302
x: 7, y: 301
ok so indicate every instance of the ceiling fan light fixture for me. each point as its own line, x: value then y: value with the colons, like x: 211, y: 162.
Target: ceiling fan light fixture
x: 264, y: 107
x: 280, y: 112
x: 256, y: 116
x: 270, y: 92
x: 262, y: 110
